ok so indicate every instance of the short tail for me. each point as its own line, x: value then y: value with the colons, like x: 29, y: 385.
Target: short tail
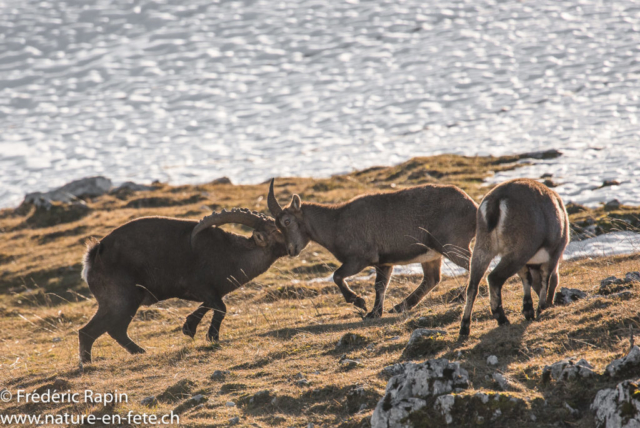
x: 94, y: 248
x: 492, y: 213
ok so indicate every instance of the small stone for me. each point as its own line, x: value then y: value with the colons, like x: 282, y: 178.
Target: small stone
x: 299, y: 376
x: 612, y: 205
x: 568, y: 295
x: 351, y: 340
x: 230, y: 404
x: 501, y: 381
x: 222, y: 180
x: 57, y: 339
x: 190, y: 403
x: 394, y: 338
x: 219, y: 375
x: 303, y: 382
x: 632, y: 277
x: 492, y: 360
x: 150, y: 401
x: 234, y: 421
x: 393, y: 370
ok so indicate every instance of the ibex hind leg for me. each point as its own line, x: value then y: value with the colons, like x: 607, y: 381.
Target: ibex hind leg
x: 90, y: 332
x: 508, y: 266
x: 431, y: 271
x: 549, y: 279
x: 479, y: 264
x: 526, y: 276
x: 121, y: 315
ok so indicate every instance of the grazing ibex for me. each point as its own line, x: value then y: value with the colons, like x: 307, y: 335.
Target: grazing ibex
x: 525, y: 223
x: 414, y: 225
x: 155, y: 258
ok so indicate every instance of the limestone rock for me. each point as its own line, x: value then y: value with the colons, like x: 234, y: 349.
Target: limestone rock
x: 408, y: 392
x: 85, y: 187
x: 567, y: 370
x: 618, y: 407
x: 625, y: 365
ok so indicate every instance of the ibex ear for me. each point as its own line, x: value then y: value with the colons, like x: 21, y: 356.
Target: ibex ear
x: 296, y: 203
x: 260, y: 238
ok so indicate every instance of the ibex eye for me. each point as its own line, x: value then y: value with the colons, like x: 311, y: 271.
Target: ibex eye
x: 287, y: 222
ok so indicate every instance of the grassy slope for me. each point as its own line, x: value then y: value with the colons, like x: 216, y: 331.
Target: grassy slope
x: 276, y: 329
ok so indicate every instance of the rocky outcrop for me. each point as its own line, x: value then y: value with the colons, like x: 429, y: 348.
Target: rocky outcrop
x: 410, y: 391
x: 567, y: 370
x: 618, y: 407
x: 84, y: 188
x: 630, y: 364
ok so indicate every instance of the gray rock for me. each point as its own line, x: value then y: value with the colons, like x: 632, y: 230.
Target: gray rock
x: 222, y: 180
x: 624, y: 365
x: 70, y: 192
x: 392, y: 370
x: 57, y: 339
x: 468, y: 410
x: 612, y: 205
x: 544, y: 154
x: 134, y: 187
x: 632, y: 277
x: 492, y: 360
x: 150, y: 401
x: 261, y: 397
x: 501, y: 381
x: 618, y: 407
x: 190, y: 403
x: 220, y: 375
x: 420, y: 333
x: 610, y: 280
x: 408, y: 392
x: 568, y: 295
x: 230, y: 404
x: 303, y: 382
x: 234, y: 421
x: 567, y: 370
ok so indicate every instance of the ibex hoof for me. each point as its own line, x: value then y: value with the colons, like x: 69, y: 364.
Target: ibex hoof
x: 187, y: 331
x: 503, y: 321
x: 464, y: 331
x: 359, y: 302
x: 373, y: 315
x: 399, y: 308
x: 529, y: 314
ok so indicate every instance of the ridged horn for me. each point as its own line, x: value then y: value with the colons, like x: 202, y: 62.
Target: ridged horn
x: 240, y: 216
x: 272, y: 202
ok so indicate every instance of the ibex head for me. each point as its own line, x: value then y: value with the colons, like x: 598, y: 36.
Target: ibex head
x: 265, y: 233
x: 290, y: 220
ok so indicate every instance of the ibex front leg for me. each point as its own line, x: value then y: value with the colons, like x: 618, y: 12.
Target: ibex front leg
x: 192, y: 321
x: 346, y: 270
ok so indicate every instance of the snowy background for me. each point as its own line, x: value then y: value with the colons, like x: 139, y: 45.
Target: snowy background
x: 188, y: 91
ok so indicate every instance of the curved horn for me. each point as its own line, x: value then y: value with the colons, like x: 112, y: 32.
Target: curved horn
x: 272, y: 202
x: 240, y: 216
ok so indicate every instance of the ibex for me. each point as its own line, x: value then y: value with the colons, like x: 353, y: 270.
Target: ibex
x: 525, y: 223
x: 415, y: 225
x: 152, y: 259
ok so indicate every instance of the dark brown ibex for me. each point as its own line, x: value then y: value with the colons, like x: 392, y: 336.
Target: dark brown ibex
x: 414, y: 225
x: 152, y: 259
x: 525, y: 223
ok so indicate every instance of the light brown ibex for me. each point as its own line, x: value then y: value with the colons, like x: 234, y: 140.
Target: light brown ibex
x: 156, y: 258
x: 415, y: 225
x: 525, y: 223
